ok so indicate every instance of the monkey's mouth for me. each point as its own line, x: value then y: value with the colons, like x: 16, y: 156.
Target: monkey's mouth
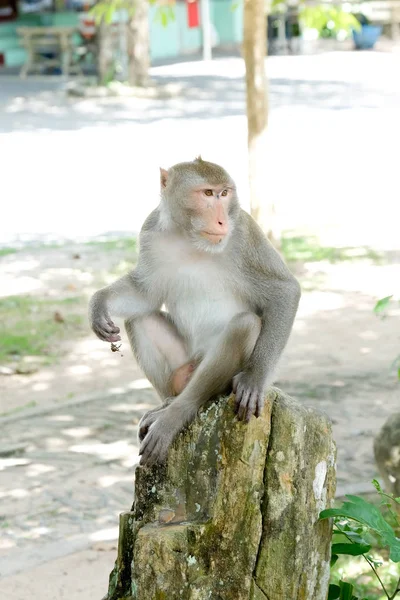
x: 214, y: 238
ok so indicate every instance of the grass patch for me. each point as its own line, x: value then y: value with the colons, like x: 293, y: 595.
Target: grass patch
x: 28, y: 327
x: 308, y: 249
x: 18, y: 409
x: 125, y: 244
x: 6, y: 251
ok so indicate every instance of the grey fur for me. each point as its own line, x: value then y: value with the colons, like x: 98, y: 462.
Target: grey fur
x: 232, y: 305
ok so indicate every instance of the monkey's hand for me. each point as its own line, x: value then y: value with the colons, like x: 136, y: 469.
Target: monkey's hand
x: 250, y: 395
x: 160, y: 435
x: 100, y: 320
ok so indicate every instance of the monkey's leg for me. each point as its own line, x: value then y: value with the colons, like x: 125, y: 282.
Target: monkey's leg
x: 215, y: 373
x: 161, y: 353
x: 159, y: 349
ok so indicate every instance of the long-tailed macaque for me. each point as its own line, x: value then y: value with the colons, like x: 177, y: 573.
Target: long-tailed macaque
x: 228, y: 303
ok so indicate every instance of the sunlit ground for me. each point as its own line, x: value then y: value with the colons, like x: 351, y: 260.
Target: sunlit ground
x: 76, y: 168
x: 80, y: 167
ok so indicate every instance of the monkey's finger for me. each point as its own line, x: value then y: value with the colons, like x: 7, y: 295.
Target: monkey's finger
x: 243, y: 405
x: 114, y: 338
x: 260, y: 405
x: 107, y: 336
x: 147, y: 445
x: 154, y: 456
x: 103, y: 330
x: 238, y: 396
x: 235, y: 382
x: 251, y: 405
x: 113, y: 327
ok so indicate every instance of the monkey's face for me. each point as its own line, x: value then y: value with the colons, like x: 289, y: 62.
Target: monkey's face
x: 202, y: 201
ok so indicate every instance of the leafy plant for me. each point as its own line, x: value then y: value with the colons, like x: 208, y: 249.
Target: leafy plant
x: 106, y: 9
x: 359, y: 526
x: 328, y: 18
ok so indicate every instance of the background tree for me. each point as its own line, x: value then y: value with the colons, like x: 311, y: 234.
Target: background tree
x: 254, y: 51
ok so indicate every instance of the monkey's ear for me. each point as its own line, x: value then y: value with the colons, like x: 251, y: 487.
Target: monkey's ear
x: 163, y: 177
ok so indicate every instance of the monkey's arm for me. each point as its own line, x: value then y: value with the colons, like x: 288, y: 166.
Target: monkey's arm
x: 276, y: 294
x: 127, y: 297
x: 124, y: 298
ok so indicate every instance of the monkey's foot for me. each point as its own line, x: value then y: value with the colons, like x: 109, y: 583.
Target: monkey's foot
x: 250, y: 396
x: 148, y: 419
x: 159, y: 437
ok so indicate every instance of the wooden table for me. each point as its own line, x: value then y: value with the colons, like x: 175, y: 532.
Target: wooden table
x: 54, y: 41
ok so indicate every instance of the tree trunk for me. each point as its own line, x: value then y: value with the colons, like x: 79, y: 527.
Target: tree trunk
x: 255, y: 51
x: 105, y: 53
x: 234, y: 513
x: 139, y: 45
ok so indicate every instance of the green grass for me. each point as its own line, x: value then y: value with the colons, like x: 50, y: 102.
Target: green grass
x: 18, y: 409
x: 28, y: 327
x: 127, y: 244
x: 6, y: 251
x: 308, y: 249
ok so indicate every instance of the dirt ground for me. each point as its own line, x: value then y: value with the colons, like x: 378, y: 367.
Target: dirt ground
x: 68, y: 446
x: 69, y: 433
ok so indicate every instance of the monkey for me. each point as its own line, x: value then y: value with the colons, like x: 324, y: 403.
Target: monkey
x: 209, y: 307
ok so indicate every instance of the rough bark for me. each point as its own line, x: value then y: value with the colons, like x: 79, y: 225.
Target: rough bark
x: 139, y: 45
x: 234, y: 513
x: 387, y: 454
x: 254, y: 53
x: 105, y: 53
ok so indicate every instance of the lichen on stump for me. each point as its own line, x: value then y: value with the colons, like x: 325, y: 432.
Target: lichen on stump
x: 233, y: 515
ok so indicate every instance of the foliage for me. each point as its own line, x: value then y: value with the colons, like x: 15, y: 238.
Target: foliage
x: 329, y: 18
x: 309, y: 249
x: 360, y: 526
x: 105, y: 10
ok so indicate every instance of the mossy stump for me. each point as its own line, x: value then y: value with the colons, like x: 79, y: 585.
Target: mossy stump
x: 233, y: 515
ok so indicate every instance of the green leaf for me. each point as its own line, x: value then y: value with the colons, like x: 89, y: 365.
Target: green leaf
x: 346, y: 590
x: 382, y: 304
x: 356, y: 538
x: 377, y: 485
x: 351, y: 549
x: 164, y: 14
x: 109, y: 14
x: 334, y: 559
x: 366, y: 513
x: 334, y: 592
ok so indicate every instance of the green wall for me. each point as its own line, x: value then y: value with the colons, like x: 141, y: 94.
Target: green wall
x: 177, y: 38
x: 174, y: 39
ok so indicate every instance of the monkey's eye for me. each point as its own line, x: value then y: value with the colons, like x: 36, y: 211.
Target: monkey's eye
x: 224, y: 193
x: 208, y: 192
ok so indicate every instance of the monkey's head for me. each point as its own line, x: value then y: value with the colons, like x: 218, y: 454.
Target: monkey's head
x: 200, y: 199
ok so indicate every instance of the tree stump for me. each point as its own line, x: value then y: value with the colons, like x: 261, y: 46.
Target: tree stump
x: 233, y: 515
x: 387, y: 454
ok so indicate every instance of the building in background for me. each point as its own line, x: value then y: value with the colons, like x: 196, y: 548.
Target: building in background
x: 181, y: 36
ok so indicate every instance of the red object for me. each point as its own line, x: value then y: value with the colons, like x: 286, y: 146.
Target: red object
x: 192, y: 7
